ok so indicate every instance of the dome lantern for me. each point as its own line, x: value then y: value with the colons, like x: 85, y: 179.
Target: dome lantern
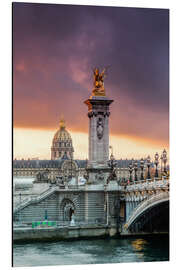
x: 62, y: 123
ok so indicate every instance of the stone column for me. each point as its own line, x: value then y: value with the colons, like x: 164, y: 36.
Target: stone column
x: 98, y: 113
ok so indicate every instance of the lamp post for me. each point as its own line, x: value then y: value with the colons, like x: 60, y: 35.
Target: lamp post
x: 110, y: 147
x: 156, y: 163
x: 20, y: 210
x: 161, y: 158
x: 164, y: 158
x: 121, y: 169
x: 130, y: 171
x: 148, y: 165
x: 135, y: 170
x: 142, y: 168
x: 132, y: 166
x: 112, y: 163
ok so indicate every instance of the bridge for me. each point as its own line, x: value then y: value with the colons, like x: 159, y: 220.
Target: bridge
x: 147, y: 207
x: 138, y: 207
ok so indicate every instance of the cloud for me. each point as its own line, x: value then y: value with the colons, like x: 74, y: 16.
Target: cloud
x: 55, y: 48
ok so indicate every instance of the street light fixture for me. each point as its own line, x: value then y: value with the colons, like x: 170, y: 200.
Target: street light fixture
x: 148, y: 165
x: 164, y: 158
x: 142, y: 168
x: 130, y: 171
x: 112, y: 162
x: 135, y: 170
x: 156, y: 163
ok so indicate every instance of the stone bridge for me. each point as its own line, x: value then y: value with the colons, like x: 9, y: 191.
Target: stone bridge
x: 135, y: 208
x: 147, y: 207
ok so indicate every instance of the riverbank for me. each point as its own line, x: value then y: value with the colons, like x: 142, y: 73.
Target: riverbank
x: 29, y: 234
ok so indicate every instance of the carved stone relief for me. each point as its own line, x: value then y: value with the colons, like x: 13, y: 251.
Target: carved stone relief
x: 100, y: 128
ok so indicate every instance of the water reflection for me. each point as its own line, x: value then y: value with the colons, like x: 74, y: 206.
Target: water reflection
x: 92, y: 251
x: 139, y: 244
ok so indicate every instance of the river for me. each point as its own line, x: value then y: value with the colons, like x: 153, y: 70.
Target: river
x: 137, y: 249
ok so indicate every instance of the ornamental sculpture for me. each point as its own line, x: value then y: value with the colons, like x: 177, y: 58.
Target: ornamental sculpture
x: 99, y: 176
x: 100, y: 128
x: 99, y: 82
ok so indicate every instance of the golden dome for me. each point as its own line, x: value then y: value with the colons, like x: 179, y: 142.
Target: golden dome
x: 62, y: 147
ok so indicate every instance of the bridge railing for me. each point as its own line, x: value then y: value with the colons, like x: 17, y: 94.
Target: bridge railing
x: 153, y: 183
x: 153, y: 179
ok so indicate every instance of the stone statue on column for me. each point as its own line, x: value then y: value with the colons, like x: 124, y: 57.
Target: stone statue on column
x: 99, y: 82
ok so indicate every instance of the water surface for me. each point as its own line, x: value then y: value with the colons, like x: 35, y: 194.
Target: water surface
x: 137, y: 249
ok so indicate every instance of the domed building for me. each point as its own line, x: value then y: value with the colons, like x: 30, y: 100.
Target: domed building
x: 62, y: 163
x: 62, y: 147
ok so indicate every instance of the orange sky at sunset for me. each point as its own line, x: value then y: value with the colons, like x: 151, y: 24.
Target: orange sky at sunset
x: 33, y: 143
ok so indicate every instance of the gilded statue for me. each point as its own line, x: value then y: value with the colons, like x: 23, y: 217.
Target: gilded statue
x: 99, y: 82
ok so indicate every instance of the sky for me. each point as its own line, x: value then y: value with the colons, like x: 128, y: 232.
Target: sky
x: 55, y: 48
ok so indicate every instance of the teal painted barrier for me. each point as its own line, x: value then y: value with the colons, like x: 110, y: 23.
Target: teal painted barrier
x: 43, y: 224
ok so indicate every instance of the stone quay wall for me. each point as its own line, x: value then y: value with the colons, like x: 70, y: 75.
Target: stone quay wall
x: 62, y: 233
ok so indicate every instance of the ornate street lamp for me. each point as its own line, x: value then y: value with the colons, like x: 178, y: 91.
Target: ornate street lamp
x: 110, y: 147
x: 161, y: 158
x: 142, y: 168
x: 156, y: 161
x: 148, y: 165
x: 130, y: 171
x: 135, y: 170
x: 112, y: 162
x: 164, y: 158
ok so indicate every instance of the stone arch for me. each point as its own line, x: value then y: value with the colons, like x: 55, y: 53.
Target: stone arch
x: 146, y: 205
x: 69, y: 198
x: 67, y: 208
